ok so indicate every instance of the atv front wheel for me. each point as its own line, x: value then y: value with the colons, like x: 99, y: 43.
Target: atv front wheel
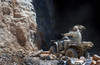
x: 71, y: 53
x: 52, y: 49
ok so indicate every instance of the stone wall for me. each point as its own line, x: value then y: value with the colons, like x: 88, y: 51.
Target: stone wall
x: 17, y: 25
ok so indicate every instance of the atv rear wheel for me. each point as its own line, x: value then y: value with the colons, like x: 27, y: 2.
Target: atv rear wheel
x: 52, y: 49
x: 71, y: 53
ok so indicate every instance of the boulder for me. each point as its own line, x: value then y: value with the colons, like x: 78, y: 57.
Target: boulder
x: 96, y: 57
x: 45, y: 52
x: 98, y: 62
x: 93, y: 62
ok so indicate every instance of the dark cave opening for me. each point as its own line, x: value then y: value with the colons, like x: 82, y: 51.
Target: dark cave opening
x: 72, y: 12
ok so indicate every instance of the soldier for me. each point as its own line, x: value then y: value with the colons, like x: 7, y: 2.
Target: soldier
x: 75, y: 34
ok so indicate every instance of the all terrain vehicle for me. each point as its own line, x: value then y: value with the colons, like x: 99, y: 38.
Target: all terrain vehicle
x: 68, y: 48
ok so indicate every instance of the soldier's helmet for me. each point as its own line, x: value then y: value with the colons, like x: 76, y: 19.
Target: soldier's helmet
x: 75, y: 28
x: 79, y: 27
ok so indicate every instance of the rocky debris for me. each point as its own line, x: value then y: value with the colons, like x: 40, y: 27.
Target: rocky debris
x: 96, y: 57
x: 11, y: 59
x: 46, y: 55
x: 45, y: 58
x: 46, y: 62
x: 45, y: 52
x: 95, y: 60
x: 75, y: 61
x: 98, y: 62
x: 84, y: 61
x: 65, y: 60
x: 20, y: 58
x: 88, y: 61
x: 61, y: 62
x: 93, y: 63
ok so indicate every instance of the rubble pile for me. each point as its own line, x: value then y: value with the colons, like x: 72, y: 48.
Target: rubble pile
x: 45, y: 58
x: 65, y: 60
x: 95, y: 60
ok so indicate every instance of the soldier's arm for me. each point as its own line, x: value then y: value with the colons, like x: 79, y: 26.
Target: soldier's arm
x: 69, y: 34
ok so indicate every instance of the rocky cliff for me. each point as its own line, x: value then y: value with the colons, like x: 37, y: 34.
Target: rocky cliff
x: 17, y: 26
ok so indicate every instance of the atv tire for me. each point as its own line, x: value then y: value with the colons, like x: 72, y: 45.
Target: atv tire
x: 53, y: 49
x: 71, y: 53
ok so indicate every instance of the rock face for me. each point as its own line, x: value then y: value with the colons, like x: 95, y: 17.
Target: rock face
x: 17, y: 25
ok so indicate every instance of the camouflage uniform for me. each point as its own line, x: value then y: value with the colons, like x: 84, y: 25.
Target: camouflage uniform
x: 76, y: 35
